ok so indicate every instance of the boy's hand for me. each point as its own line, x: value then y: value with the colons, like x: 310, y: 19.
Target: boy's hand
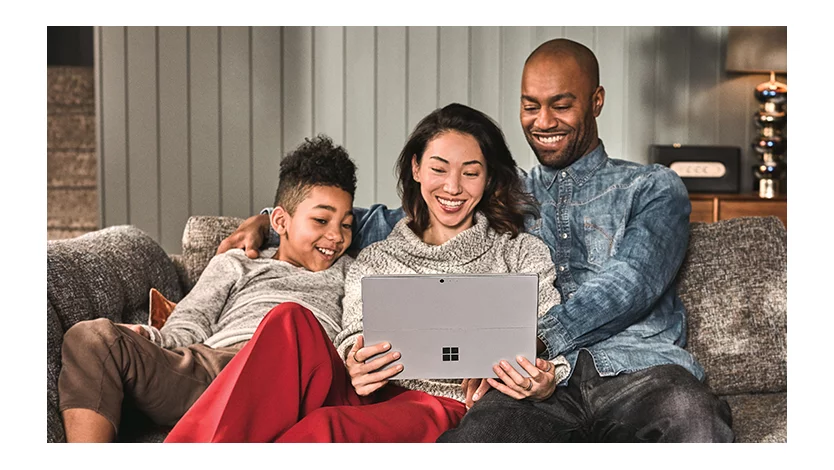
x: 366, y: 378
x: 136, y: 329
x: 249, y: 236
x: 474, y: 389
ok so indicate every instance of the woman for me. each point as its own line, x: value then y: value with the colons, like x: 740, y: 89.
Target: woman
x: 465, y: 211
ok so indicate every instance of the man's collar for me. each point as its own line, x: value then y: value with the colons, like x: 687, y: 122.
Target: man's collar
x: 581, y: 170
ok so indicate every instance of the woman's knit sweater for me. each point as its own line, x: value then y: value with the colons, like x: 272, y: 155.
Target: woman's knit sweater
x: 478, y: 249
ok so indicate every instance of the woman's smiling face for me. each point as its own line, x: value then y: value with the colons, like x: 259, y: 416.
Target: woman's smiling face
x: 452, y: 174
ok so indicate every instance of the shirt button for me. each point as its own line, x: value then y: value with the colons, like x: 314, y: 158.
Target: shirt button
x: 564, y: 174
x: 564, y: 235
x: 570, y: 296
x: 561, y: 268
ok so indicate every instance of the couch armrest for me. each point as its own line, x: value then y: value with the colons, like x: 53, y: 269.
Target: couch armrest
x: 107, y: 273
x: 54, y: 336
x: 733, y: 283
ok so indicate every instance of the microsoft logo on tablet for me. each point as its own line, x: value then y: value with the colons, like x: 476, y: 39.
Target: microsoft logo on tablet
x: 450, y: 354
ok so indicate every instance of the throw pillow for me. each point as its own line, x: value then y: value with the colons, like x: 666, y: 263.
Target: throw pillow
x: 160, y: 309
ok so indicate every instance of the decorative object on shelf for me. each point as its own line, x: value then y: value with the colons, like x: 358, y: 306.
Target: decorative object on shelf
x: 763, y: 49
x: 702, y: 168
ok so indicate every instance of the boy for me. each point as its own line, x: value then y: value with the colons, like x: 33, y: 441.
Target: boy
x: 165, y: 370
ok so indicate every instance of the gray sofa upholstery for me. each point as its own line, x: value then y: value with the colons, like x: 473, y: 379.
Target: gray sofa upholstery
x: 733, y: 283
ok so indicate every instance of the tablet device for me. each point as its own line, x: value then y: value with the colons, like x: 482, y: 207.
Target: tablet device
x: 452, y: 326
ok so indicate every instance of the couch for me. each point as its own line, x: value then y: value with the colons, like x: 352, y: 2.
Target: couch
x: 733, y: 283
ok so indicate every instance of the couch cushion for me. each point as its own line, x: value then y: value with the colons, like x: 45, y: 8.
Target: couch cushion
x: 733, y: 283
x: 760, y: 417
x: 200, y: 239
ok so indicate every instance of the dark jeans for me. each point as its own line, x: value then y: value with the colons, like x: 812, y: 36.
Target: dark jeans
x: 660, y: 404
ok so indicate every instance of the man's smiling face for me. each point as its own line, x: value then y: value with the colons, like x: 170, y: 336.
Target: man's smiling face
x: 559, y: 107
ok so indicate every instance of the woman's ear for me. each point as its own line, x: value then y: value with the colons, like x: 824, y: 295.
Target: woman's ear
x: 415, y: 168
x: 278, y: 219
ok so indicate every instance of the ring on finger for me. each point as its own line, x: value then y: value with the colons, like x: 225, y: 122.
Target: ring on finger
x: 550, y: 367
x: 529, y: 385
x: 354, y: 357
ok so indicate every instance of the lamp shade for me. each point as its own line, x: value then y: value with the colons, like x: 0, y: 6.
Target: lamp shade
x: 757, y: 49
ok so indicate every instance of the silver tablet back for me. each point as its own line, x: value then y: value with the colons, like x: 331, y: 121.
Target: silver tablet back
x: 452, y: 326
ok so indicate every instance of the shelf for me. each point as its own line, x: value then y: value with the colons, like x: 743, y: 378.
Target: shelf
x: 714, y: 207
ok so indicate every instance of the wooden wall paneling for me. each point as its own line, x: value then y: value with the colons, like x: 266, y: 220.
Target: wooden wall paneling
x: 611, y: 54
x: 204, y: 119
x: 142, y: 131
x: 515, y: 47
x: 235, y: 122
x: 390, y: 110
x: 640, y: 93
x: 735, y: 115
x: 112, y: 124
x: 484, y: 72
x: 704, y: 74
x: 454, y: 65
x: 360, y: 109
x: 583, y: 35
x: 97, y: 97
x: 672, y: 86
x: 543, y: 34
x: 422, y: 55
x: 168, y: 101
x: 298, y: 85
x: 174, y: 181
x: 267, y: 121
x: 328, y: 80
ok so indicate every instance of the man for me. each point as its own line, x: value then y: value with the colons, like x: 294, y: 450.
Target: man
x: 618, y: 233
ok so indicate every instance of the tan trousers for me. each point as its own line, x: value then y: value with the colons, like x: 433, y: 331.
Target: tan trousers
x: 103, y: 363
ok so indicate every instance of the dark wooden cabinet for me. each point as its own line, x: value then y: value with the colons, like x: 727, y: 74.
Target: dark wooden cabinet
x: 715, y: 207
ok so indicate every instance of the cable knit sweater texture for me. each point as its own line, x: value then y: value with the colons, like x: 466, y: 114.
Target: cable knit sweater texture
x: 234, y: 294
x: 478, y: 249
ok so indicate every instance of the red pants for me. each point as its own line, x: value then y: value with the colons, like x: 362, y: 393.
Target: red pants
x: 288, y: 384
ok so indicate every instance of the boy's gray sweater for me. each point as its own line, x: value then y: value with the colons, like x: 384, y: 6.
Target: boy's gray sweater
x: 234, y: 293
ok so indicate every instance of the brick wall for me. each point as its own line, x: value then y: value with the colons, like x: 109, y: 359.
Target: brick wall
x: 72, y: 193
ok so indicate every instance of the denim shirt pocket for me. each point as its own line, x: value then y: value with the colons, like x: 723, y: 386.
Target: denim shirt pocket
x: 600, y: 231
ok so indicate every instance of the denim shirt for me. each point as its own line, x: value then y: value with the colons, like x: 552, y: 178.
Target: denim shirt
x: 617, y: 233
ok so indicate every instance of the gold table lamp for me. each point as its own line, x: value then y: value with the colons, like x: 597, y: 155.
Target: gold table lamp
x: 763, y: 49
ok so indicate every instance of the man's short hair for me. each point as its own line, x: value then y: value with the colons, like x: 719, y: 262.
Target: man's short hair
x: 316, y: 162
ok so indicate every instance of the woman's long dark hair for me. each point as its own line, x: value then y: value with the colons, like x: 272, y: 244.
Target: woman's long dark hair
x: 504, y: 203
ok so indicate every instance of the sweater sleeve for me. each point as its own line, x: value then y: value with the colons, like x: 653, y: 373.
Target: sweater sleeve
x: 194, y: 318
x: 533, y: 257
x: 352, y: 305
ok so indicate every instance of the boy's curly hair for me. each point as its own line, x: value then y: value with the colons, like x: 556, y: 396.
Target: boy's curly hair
x: 316, y: 162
